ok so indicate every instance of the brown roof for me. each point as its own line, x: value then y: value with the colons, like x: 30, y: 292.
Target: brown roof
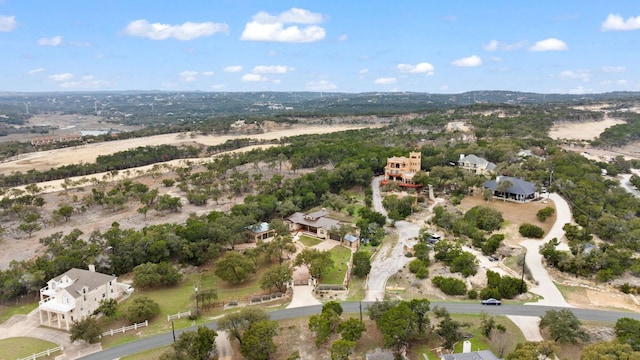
x: 81, y: 278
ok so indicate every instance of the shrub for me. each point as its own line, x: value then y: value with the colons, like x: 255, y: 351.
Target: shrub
x: 472, y: 294
x: 142, y: 309
x: 418, y: 267
x: 531, y: 231
x: 484, y: 218
x: 450, y: 286
x: 422, y: 273
x: 544, y: 214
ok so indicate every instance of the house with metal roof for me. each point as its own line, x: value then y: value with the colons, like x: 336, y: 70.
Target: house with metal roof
x: 75, y: 295
x: 476, y: 164
x: 512, y: 188
x: 317, y: 224
x: 472, y: 355
x: 260, y: 232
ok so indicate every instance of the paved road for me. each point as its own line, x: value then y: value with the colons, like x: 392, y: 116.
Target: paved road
x: 626, y: 184
x: 354, y: 307
x: 387, y: 261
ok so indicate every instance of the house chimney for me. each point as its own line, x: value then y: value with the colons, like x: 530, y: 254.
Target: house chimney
x: 461, y: 156
x: 498, y: 178
x: 92, y: 268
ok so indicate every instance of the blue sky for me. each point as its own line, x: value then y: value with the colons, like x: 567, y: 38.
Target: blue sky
x: 559, y: 46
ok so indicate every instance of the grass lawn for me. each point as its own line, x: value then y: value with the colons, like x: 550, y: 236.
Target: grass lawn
x: 181, y: 298
x: 19, y: 347
x: 24, y: 308
x: 340, y: 256
x: 149, y: 354
x: 356, y: 289
x: 308, y: 241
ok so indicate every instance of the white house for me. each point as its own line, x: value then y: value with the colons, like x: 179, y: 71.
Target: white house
x: 75, y: 295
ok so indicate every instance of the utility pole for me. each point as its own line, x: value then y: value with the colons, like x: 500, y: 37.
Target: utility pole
x: 524, y: 262
x: 173, y: 330
x: 196, y: 290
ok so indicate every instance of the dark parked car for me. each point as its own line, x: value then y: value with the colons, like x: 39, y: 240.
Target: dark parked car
x: 491, y: 301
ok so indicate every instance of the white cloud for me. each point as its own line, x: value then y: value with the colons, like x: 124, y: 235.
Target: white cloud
x: 52, y: 41
x: 189, y: 76
x: 80, y: 43
x: 343, y: 38
x: 423, y: 67
x: 614, y: 69
x: 7, y: 23
x: 35, y: 71
x: 61, y: 77
x: 253, y: 78
x: 615, y: 22
x: 233, y: 68
x: 550, y: 44
x: 583, y: 75
x: 494, y: 45
x: 621, y: 82
x: 385, y: 81
x: 187, y: 31
x: 271, y: 69
x: 471, y: 61
x: 363, y: 71
x: 85, y: 82
x: 208, y: 73
x: 217, y: 86
x: 266, y: 27
x: 322, y: 85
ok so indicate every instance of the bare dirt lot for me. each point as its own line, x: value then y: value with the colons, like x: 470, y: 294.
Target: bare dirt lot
x: 44, y: 160
x: 588, y: 130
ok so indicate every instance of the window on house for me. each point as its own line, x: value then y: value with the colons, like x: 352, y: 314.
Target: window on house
x: 65, y: 300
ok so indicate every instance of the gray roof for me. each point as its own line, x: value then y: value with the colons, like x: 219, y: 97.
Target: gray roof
x: 482, y: 163
x: 518, y: 186
x: 380, y: 355
x: 474, y: 355
x: 81, y: 278
x: 316, y: 219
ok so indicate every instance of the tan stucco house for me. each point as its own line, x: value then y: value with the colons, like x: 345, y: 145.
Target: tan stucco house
x: 402, y: 169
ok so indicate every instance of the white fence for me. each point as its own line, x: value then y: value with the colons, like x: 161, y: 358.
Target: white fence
x: 126, y: 328
x: 43, y: 353
x: 179, y: 315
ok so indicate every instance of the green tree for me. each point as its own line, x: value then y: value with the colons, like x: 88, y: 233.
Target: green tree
x: 150, y: 275
x: 628, y: 332
x: 324, y: 324
x: 65, y: 211
x: 234, y: 267
x: 238, y: 322
x: 421, y: 307
x: 332, y: 305
x: 398, y: 326
x: 564, y: 327
x: 277, y: 277
x: 487, y: 324
x: 317, y: 261
x: 196, y: 345
x: 108, y: 308
x: 361, y: 263
x: 378, y: 308
x: 484, y: 218
x: 448, y: 329
x: 87, y: 330
x: 352, y: 329
x: 257, y: 341
x: 531, y: 231
x: 341, y: 349
x: 29, y: 227
x: 609, y: 350
x: 142, y: 309
x: 528, y: 350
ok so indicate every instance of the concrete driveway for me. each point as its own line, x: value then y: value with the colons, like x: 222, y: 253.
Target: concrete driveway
x: 29, y: 326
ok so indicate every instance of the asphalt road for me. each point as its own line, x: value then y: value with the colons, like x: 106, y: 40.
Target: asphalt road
x: 354, y: 307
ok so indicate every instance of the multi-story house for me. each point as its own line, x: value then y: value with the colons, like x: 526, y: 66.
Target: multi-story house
x: 476, y: 164
x: 75, y: 295
x: 402, y: 169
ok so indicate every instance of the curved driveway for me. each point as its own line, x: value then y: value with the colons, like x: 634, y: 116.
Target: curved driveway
x: 354, y: 307
x: 545, y: 286
x: 387, y: 264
